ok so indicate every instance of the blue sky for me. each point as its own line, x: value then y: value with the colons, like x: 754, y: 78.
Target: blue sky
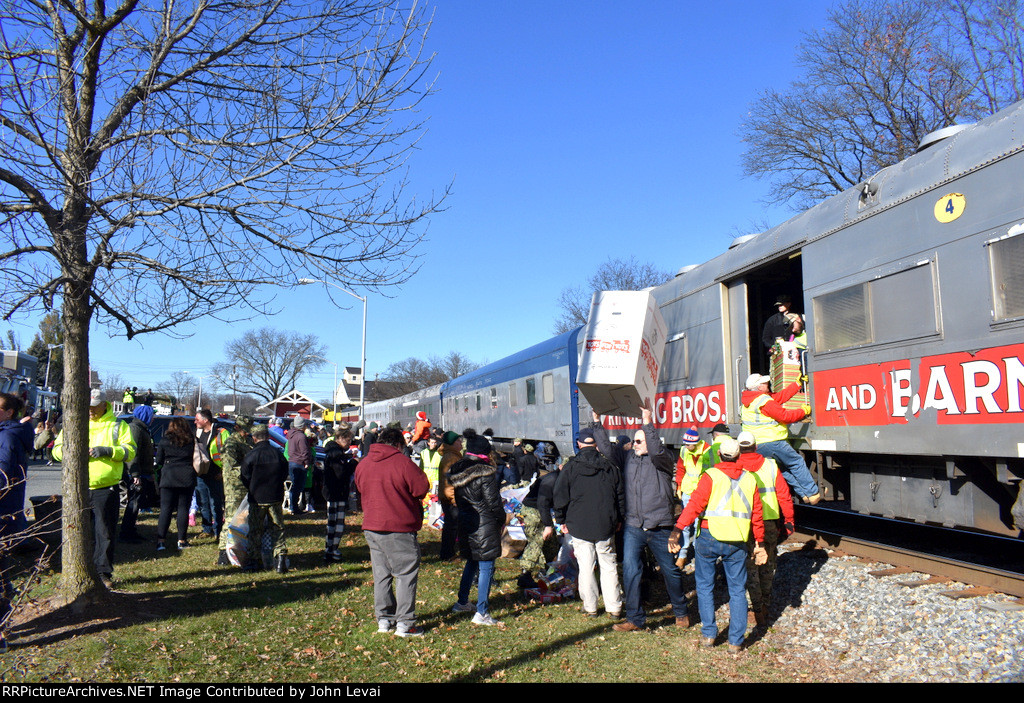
x: 570, y: 133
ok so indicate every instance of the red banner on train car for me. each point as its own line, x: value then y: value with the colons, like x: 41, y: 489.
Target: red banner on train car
x: 703, y: 407
x: 960, y: 388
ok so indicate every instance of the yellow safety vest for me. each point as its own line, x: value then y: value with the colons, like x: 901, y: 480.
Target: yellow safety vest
x: 764, y: 428
x: 430, y: 461
x: 694, y: 464
x: 730, y: 507
x: 766, y: 477
x: 217, y: 440
x: 108, y: 431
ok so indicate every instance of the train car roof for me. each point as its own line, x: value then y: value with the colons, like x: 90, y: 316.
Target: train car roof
x: 546, y: 355
x: 989, y: 140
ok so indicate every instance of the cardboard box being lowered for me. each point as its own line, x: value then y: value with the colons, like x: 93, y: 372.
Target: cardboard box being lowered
x: 623, y: 345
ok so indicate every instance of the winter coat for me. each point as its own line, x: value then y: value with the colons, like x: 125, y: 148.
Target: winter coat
x: 542, y: 496
x: 650, y: 496
x: 589, y: 498
x: 107, y: 431
x: 15, y: 443
x: 339, y: 466
x: 449, y: 457
x: 298, y: 448
x: 175, y: 464
x: 142, y: 465
x: 528, y: 466
x: 391, y: 489
x: 263, y: 473
x: 481, y: 514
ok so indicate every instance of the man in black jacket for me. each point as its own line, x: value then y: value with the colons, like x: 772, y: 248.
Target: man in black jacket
x: 263, y: 472
x: 590, y: 503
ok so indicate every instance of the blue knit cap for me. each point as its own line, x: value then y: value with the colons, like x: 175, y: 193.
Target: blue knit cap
x: 144, y: 413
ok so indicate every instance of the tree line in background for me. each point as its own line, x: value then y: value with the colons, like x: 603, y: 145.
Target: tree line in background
x: 876, y: 79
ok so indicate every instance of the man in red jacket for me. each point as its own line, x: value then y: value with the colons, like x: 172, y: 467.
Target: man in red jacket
x: 777, y: 515
x: 763, y: 415
x: 392, y: 489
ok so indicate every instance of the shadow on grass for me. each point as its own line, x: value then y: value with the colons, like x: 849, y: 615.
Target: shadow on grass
x: 119, y: 609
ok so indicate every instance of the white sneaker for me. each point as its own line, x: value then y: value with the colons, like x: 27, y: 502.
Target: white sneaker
x: 479, y: 619
x: 463, y: 608
x: 409, y: 631
x: 384, y: 626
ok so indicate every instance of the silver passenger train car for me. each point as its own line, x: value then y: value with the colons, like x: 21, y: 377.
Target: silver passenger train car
x: 913, y: 289
x: 912, y: 285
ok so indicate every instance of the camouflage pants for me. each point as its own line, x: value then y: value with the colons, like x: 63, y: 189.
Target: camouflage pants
x: 759, y: 578
x: 234, y: 492
x: 536, y: 555
x: 259, y: 515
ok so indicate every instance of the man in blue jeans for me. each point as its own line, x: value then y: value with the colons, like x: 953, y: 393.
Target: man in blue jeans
x: 300, y: 459
x: 728, y: 503
x: 650, y: 501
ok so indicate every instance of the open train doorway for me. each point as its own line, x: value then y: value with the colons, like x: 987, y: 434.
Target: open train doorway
x: 766, y: 286
x: 749, y: 301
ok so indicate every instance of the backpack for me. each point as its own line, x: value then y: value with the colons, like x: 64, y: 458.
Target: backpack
x: 201, y: 458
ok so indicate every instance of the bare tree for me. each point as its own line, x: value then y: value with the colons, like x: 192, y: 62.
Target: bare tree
x: 164, y: 161
x: 113, y: 386
x: 50, y: 333
x: 182, y: 389
x: 613, y: 274
x: 875, y: 81
x: 267, y: 362
x: 413, y: 374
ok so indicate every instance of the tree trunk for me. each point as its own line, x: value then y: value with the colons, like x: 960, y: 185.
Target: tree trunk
x: 80, y: 582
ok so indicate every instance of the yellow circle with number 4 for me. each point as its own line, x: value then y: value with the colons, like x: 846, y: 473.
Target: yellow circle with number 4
x: 950, y: 206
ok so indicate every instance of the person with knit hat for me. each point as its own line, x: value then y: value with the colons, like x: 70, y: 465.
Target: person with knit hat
x: 691, y: 464
x: 138, y: 473
x: 481, y: 518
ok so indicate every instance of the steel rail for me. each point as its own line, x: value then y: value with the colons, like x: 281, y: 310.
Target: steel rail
x: 964, y: 572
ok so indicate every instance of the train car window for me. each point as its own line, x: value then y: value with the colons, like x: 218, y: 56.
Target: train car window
x: 677, y: 357
x: 547, y: 383
x: 513, y: 396
x: 1007, y: 265
x: 914, y: 315
x: 531, y: 391
x: 494, y: 399
x: 841, y: 318
x: 869, y: 312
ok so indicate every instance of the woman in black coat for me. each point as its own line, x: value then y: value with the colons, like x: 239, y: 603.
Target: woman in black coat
x: 481, y: 517
x: 177, y: 479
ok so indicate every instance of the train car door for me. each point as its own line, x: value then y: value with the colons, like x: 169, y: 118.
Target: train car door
x: 736, y: 344
x: 748, y: 303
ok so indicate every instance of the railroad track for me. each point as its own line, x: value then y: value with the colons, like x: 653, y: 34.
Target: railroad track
x: 996, y: 565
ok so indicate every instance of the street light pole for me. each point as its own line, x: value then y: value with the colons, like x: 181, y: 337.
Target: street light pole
x: 49, y: 356
x: 362, y: 377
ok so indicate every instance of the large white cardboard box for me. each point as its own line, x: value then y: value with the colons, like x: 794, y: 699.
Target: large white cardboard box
x: 623, y: 345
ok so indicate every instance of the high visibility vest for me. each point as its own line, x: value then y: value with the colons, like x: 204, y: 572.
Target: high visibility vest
x: 766, y: 477
x: 693, y: 461
x: 764, y: 428
x: 430, y: 462
x: 217, y: 441
x: 730, y: 507
x: 107, y: 431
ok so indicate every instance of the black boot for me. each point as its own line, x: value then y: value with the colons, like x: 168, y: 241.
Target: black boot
x: 281, y: 564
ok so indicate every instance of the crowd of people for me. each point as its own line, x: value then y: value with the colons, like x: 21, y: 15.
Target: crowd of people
x: 720, y: 499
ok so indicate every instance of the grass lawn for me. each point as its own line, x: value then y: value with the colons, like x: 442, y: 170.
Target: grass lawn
x: 178, y: 618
